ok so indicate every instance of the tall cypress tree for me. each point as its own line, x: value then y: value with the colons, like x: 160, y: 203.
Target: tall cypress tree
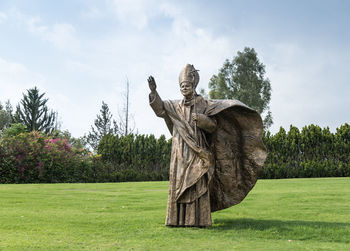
x: 33, y: 112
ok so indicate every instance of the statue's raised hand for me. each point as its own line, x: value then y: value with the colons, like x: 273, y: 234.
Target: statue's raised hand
x: 152, y: 84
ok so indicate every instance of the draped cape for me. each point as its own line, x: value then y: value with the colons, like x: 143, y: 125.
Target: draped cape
x: 238, y: 151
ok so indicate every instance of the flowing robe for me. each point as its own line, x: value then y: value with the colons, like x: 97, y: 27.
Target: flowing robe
x: 214, y: 166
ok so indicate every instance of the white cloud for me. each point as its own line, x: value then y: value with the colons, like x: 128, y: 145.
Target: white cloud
x: 3, y: 17
x: 92, y: 12
x: 61, y: 35
x: 169, y: 9
x: 132, y: 12
x: 34, y: 25
x: 15, y: 78
x: 302, y: 93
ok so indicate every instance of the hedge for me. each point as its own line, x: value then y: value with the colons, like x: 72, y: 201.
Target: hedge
x: 36, y: 158
x: 311, y: 152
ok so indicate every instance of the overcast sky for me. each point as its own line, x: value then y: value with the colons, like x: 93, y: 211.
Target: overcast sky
x: 81, y: 52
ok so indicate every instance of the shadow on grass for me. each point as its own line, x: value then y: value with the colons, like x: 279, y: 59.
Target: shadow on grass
x: 279, y: 229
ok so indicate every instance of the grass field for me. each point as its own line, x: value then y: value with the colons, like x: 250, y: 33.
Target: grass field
x: 294, y: 214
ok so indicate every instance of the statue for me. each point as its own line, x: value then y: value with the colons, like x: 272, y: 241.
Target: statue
x: 217, y: 151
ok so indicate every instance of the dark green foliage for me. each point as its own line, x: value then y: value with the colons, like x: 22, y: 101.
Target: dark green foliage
x: 243, y: 78
x: 34, y: 113
x: 103, y: 125
x: 313, y: 152
x: 14, y: 130
x: 136, y: 157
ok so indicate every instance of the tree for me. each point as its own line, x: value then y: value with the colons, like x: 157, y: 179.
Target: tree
x: 103, y: 125
x: 124, y: 116
x: 244, y: 79
x: 5, y: 116
x: 33, y: 112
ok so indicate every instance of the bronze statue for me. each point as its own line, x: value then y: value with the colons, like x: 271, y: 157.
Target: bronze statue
x: 217, y: 151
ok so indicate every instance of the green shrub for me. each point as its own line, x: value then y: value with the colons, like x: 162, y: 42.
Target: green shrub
x: 136, y: 157
x: 313, y: 152
x: 14, y: 130
x: 33, y: 157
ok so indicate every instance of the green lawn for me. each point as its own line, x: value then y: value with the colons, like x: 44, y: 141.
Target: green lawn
x: 293, y: 214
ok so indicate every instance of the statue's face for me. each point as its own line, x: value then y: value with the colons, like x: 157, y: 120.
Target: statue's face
x: 186, y: 89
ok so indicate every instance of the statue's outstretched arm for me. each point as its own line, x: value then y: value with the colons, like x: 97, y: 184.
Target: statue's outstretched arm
x: 157, y: 103
x: 154, y: 100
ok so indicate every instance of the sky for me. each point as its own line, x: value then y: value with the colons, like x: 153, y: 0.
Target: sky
x: 82, y: 52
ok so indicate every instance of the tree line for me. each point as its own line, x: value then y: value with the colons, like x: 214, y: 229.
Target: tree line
x: 310, y: 152
x: 34, y: 157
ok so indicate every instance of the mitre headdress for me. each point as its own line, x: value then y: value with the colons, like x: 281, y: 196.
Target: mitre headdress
x: 189, y: 74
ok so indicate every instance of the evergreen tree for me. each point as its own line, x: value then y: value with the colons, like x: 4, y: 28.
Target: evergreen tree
x: 244, y: 79
x: 33, y: 112
x: 103, y: 125
x: 5, y: 115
